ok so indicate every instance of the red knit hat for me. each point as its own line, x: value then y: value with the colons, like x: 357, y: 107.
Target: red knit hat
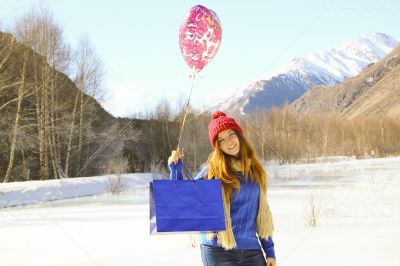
x: 220, y: 122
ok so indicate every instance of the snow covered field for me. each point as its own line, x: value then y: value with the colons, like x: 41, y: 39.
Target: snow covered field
x: 358, y: 224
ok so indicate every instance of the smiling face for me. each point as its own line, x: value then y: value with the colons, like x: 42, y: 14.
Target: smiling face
x: 229, y: 142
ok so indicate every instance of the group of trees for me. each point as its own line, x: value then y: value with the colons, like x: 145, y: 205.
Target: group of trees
x: 149, y: 141
x: 46, y: 119
x: 284, y: 135
x: 51, y: 124
x: 278, y: 134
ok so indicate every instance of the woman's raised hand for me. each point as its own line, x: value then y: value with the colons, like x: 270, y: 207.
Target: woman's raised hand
x: 175, y: 156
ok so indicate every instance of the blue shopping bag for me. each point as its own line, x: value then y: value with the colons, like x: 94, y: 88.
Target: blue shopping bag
x: 186, y: 205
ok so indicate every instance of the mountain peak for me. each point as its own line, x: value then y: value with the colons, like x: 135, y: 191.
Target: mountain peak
x: 372, y: 47
x: 326, y: 67
x: 374, y: 91
x: 379, y: 37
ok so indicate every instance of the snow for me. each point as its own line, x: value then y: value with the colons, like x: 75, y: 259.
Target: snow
x: 22, y: 193
x: 359, y: 223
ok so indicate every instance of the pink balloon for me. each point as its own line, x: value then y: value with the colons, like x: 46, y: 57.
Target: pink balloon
x: 199, y: 37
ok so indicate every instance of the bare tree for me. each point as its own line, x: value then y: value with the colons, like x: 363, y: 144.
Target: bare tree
x: 21, y: 91
x: 5, y: 83
x: 88, y: 79
x: 38, y: 30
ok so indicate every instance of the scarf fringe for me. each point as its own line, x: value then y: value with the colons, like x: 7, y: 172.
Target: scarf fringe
x: 265, y: 226
x: 226, y: 238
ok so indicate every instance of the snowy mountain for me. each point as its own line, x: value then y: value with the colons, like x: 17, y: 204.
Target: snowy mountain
x: 372, y: 92
x: 328, y: 67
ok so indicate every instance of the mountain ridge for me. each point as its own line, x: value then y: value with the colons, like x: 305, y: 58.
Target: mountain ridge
x: 374, y: 91
x: 327, y: 67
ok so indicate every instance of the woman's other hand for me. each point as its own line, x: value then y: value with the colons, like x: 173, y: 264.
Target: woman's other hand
x: 271, y: 262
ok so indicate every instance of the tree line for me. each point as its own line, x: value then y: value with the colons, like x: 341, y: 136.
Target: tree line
x: 47, y: 119
x: 278, y: 134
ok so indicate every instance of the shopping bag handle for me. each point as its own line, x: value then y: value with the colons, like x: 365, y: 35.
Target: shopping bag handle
x: 187, y: 173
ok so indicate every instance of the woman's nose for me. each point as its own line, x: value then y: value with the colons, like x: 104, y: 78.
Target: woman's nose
x: 230, y: 140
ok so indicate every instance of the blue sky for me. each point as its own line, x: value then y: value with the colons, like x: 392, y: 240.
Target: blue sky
x: 138, y: 41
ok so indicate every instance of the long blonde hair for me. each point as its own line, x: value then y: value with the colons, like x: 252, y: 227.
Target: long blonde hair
x: 220, y: 167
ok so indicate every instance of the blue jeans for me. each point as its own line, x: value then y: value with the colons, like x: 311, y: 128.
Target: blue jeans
x: 218, y: 256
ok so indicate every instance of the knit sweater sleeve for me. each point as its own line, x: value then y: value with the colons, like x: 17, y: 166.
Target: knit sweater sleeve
x: 268, y: 247
x: 176, y: 170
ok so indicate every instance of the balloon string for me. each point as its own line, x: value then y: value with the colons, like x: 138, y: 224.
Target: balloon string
x: 193, y: 75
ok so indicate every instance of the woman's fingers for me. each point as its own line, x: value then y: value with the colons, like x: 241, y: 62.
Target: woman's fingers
x: 271, y: 262
x: 172, y: 158
x: 175, y: 156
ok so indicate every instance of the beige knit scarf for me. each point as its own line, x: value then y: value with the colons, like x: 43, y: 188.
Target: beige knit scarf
x: 265, y: 225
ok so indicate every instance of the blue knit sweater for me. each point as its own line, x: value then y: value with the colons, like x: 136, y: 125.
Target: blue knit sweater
x: 244, y: 209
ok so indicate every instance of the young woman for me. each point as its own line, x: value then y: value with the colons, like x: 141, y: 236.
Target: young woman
x: 244, y: 183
